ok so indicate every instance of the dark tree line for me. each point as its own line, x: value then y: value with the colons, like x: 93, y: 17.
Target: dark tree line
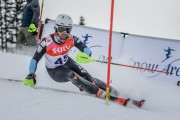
x: 10, y: 20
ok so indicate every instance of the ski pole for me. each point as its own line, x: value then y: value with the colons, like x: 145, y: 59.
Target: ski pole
x: 9, y: 79
x: 83, y: 58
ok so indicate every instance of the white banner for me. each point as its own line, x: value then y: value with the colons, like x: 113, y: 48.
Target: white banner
x: 157, y: 54
x: 161, y: 55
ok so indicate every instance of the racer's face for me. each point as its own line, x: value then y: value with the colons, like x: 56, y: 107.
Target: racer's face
x: 63, y: 35
x: 63, y: 32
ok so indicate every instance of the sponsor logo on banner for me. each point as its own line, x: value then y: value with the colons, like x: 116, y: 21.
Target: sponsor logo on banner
x: 86, y: 40
x: 169, y: 66
x: 168, y: 53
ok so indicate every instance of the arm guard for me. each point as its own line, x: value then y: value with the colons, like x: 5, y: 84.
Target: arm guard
x: 81, y: 46
x: 37, y: 56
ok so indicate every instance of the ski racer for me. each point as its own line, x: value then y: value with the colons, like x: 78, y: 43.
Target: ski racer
x: 60, y: 66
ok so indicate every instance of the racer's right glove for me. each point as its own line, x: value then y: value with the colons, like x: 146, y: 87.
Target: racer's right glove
x: 30, y: 80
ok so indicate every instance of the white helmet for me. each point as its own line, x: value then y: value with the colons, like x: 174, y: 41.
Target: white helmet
x: 63, y: 20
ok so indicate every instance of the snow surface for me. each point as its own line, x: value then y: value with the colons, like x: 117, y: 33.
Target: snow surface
x: 20, y: 102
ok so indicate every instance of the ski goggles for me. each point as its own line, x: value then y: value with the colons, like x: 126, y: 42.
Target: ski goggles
x: 62, y: 29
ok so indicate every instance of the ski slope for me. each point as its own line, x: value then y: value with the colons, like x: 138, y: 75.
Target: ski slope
x: 20, y: 102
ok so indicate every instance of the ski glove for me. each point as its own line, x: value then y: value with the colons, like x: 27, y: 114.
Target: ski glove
x: 32, y: 28
x: 30, y: 80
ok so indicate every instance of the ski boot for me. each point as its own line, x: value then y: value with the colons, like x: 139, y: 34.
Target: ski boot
x: 138, y: 103
x: 122, y: 101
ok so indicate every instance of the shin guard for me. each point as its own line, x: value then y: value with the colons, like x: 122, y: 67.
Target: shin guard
x: 84, y: 84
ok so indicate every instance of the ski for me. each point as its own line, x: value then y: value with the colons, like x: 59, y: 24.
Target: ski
x: 117, y: 100
x: 126, y: 101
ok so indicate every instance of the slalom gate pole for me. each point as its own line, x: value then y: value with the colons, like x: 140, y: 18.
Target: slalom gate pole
x: 40, y: 22
x: 109, y: 51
